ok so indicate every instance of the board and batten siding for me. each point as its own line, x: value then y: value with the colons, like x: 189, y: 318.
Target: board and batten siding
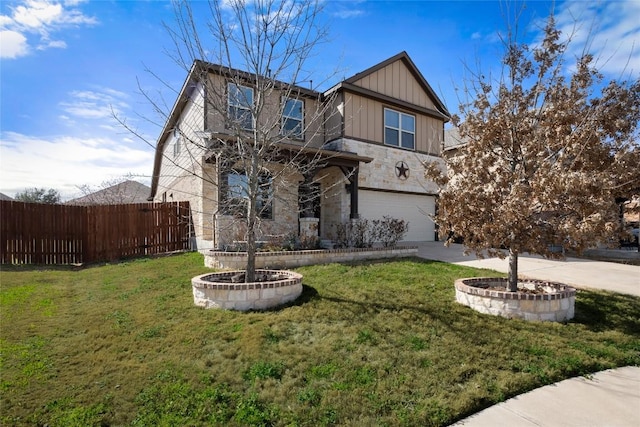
x: 271, y: 119
x: 397, y: 81
x: 364, y: 120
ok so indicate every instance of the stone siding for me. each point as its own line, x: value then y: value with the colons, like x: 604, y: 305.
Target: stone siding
x: 556, y: 305
x: 209, y: 293
x: 381, y: 172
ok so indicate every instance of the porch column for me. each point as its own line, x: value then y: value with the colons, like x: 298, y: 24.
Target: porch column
x: 308, y: 223
x: 309, y: 228
x: 352, y: 189
x: 306, y: 196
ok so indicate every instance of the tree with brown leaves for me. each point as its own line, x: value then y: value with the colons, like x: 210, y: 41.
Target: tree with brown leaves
x: 548, y: 148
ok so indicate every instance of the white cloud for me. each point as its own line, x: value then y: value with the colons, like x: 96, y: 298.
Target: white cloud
x: 5, y: 21
x: 94, y: 149
x: 12, y: 44
x: 97, y: 104
x: 348, y: 13
x: 33, y: 21
x: 58, y: 44
x: 74, y: 2
x: 608, y: 30
x: 36, y: 14
x: 65, y: 162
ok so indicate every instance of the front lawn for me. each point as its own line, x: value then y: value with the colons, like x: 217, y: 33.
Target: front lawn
x: 377, y: 343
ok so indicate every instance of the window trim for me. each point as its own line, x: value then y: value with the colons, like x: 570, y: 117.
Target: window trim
x: 239, y: 106
x: 299, y: 135
x: 399, y: 129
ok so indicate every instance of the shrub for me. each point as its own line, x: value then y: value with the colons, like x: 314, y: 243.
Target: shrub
x: 389, y: 231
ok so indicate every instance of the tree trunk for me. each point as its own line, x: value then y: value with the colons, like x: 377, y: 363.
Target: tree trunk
x: 250, y: 274
x: 252, y: 212
x: 513, y: 270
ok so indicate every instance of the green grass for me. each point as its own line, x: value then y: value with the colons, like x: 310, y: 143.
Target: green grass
x: 378, y: 343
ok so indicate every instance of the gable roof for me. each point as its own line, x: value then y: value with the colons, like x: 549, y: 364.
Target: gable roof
x: 4, y: 197
x: 349, y: 84
x: 123, y: 193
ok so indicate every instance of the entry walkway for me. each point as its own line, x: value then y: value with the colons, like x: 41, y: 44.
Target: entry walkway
x: 581, y: 273
x: 609, y: 398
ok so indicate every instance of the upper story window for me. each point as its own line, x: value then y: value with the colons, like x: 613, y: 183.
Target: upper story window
x: 235, y: 193
x: 177, y: 142
x: 399, y: 129
x: 240, y: 103
x: 292, y: 115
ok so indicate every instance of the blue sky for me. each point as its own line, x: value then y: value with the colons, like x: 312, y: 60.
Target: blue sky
x: 66, y: 64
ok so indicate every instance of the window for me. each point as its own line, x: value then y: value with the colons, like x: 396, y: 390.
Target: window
x: 177, y: 141
x: 236, y: 192
x: 240, y: 103
x: 399, y: 129
x: 292, y: 114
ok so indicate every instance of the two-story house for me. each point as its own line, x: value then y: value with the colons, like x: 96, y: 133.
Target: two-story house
x: 379, y: 127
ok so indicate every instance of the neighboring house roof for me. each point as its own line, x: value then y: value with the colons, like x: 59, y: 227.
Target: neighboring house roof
x: 452, y: 139
x: 4, y: 197
x: 123, y: 193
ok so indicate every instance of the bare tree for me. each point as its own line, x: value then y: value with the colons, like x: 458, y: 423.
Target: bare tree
x: 549, y: 146
x: 248, y: 61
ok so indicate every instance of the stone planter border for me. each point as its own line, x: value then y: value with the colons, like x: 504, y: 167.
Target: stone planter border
x: 556, y: 305
x: 291, y: 259
x: 209, y: 293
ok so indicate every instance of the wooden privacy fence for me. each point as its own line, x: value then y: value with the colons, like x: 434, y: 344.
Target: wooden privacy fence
x: 34, y: 233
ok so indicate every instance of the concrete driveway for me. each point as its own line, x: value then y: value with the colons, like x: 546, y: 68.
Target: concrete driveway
x: 581, y: 273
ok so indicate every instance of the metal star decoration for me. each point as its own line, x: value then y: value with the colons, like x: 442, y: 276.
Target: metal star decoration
x: 402, y: 170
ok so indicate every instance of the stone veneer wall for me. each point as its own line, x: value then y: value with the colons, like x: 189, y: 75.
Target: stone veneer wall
x: 285, y: 212
x: 557, y: 305
x: 291, y: 259
x: 381, y: 172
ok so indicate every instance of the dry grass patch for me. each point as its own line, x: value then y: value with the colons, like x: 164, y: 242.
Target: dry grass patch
x: 377, y: 343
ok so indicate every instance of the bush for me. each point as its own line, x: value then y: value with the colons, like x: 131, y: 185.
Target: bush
x: 389, y: 231
x: 354, y: 234
x: 292, y: 242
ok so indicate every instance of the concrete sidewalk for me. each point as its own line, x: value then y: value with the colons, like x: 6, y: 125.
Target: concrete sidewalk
x: 609, y: 398
x: 581, y: 273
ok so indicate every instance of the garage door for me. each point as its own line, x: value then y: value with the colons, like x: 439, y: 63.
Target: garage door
x: 410, y: 207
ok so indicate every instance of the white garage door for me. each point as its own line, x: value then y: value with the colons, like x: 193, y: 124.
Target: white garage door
x: 410, y: 207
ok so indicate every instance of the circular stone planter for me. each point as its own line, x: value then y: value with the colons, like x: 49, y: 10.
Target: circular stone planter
x: 213, y: 290
x: 553, y: 302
